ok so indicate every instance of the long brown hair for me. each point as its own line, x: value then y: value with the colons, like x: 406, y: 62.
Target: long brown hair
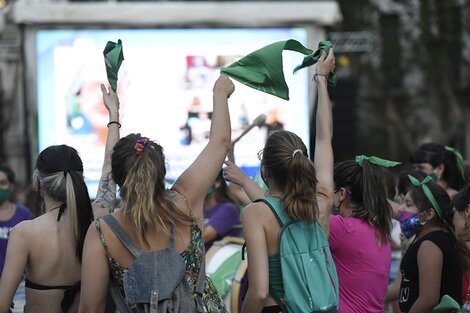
x: 138, y: 167
x: 286, y: 161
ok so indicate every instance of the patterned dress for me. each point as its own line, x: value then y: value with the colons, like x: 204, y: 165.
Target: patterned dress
x: 192, y: 256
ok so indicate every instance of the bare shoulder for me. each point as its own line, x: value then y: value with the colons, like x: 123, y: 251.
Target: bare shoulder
x: 258, y: 210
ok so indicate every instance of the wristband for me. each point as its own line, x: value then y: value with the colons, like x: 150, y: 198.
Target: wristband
x: 114, y: 122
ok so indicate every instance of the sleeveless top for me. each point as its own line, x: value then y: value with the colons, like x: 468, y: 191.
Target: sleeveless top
x: 275, y: 275
x: 192, y: 256
x: 451, y: 273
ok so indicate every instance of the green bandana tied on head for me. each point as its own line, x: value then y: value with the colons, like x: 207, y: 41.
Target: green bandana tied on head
x: 459, y: 158
x: 376, y: 160
x: 113, y: 57
x: 263, y: 70
x: 427, y: 192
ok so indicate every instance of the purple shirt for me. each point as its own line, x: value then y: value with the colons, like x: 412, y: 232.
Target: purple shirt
x: 21, y: 214
x: 223, y: 217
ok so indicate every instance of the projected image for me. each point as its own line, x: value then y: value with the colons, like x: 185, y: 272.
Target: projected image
x: 165, y: 89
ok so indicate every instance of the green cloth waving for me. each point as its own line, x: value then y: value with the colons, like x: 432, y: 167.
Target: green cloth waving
x: 113, y: 57
x: 313, y: 58
x: 263, y: 70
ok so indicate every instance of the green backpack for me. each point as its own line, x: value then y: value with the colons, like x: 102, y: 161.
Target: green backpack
x: 308, y: 271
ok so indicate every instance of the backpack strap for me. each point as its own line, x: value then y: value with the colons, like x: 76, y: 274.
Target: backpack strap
x: 121, y: 234
x: 276, y: 207
x: 118, y: 298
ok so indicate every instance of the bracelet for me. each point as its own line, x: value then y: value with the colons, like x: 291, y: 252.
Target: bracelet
x: 114, y: 122
x: 315, y: 77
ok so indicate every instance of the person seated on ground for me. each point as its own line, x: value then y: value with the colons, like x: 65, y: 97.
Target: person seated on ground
x: 48, y: 249
x: 221, y: 215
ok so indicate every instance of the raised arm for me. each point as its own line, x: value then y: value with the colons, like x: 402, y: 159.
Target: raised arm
x: 196, y: 180
x: 323, y: 158
x: 106, y: 196
x: 234, y: 175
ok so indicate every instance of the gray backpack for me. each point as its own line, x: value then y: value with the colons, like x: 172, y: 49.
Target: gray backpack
x: 155, y: 282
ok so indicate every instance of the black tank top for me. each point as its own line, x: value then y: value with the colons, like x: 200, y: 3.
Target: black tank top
x: 451, y: 276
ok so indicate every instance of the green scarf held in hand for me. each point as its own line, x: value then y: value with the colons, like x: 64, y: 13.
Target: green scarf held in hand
x: 313, y: 58
x: 113, y: 57
x: 263, y: 69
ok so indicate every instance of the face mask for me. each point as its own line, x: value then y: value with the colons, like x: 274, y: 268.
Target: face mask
x: 409, y: 223
x: 4, y: 195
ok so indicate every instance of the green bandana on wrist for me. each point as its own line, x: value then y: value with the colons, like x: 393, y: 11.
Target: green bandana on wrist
x: 313, y: 58
x: 113, y: 57
x: 263, y: 69
x: 427, y: 192
x: 459, y: 158
x: 376, y: 160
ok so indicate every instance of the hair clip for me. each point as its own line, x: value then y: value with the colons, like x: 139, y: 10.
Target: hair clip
x: 140, y: 145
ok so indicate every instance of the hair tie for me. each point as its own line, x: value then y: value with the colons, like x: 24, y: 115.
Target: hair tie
x: 376, y: 160
x: 62, y: 208
x: 141, y: 144
x: 458, y: 156
x: 296, y: 151
x: 427, y: 192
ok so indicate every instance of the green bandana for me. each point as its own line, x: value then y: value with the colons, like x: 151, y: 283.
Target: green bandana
x: 376, y: 160
x: 447, y: 305
x: 427, y: 192
x: 113, y: 57
x: 313, y: 58
x: 4, y: 195
x: 459, y: 158
x: 263, y: 70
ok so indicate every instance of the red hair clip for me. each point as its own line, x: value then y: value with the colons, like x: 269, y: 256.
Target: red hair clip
x: 140, y: 145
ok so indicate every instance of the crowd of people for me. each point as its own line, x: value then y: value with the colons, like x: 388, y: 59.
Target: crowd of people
x: 83, y: 256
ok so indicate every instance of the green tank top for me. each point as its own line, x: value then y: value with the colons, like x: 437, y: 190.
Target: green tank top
x: 275, y: 275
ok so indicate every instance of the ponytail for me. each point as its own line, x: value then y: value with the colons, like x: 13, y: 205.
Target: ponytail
x: 79, y: 209
x: 375, y: 206
x: 138, y: 167
x: 300, y: 189
x: 366, y: 182
x: 286, y: 161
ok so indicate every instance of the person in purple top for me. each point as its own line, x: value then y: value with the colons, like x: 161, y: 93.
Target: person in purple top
x: 10, y: 213
x: 222, y: 216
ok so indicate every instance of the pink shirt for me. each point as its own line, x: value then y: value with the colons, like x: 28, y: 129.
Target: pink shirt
x: 362, y: 266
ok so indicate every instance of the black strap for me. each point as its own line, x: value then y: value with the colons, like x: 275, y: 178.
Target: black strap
x: 30, y: 284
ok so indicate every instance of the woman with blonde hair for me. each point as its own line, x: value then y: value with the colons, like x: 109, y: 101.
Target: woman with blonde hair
x: 48, y: 249
x: 150, y: 213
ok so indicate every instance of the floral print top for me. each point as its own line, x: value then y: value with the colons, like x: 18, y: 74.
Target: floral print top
x: 192, y: 256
